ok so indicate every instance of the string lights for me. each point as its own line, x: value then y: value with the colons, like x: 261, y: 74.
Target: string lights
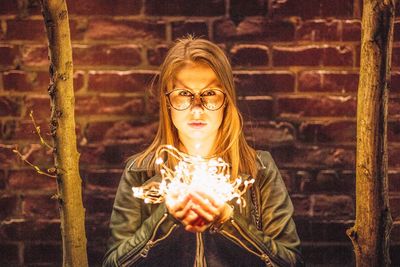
x: 192, y: 173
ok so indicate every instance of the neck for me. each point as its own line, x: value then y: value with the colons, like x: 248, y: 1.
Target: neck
x: 203, y: 148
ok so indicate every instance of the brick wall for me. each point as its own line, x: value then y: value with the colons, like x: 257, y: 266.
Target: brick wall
x: 296, y: 70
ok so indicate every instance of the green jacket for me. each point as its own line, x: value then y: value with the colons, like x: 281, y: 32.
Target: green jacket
x: 260, y: 234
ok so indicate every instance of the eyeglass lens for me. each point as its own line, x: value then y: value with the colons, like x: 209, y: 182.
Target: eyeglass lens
x: 211, y: 99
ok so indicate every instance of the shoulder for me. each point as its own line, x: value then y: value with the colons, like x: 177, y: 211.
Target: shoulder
x: 132, y: 163
x: 264, y: 159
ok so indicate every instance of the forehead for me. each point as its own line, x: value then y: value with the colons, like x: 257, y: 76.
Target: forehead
x: 195, y: 75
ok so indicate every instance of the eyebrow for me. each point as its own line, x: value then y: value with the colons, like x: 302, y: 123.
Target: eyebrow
x: 217, y: 84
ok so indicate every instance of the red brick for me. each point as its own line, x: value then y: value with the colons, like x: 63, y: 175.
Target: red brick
x: 338, y: 254
x: 109, y: 154
x: 288, y: 179
x: 8, y: 55
x: 120, y: 105
x: 9, y: 7
x: 97, y: 229
x: 26, y: 30
x: 297, y: 106
x: 10, y: 106
x: 96, y: 203
x: 297, y: 55
x: 103, y: 7
x: 394, y: 156
x: 396, y: 30
x: 185, y: 8
x: 394, y: 108
x: 395, y: 82
x: 395, y: 207
x: 32, y: 230
x: 313, y: 8
x: 314, y: 156
x: 124, y: 30
x: 25, y: 81
x: 249, y: 55
x: 395, y: 233
x: 240, y: 9
x: 31, y: 180
x: 312, y: 56
x: 262, y: 133
x: 77, y: 28
x: 328, y: 81
x: 396, y: 57
x: 327, y: 181
x: 322, y: 231
x: 25, y: 130
x: 256, y: 107
x: 35, y: 56
x: 318, y: 30
x: 328, y: 131
x: 253, y: 29
x: 394, y: 181
x: 338, y: 56
x: 103, y: 179
x: 156, y: 55
x: 120, y: 81
x: 182, y: 28
x: 338, y: 207
x: 351, y: 30
x: 97, y: 55
x: 8, y: 206
x: 39, y: 253
x: 2, y: 178
x: 9, y: 255
x: 22, y: 81
x: 120, y: 131
x: 40, y: 105
x: 394, y: 255
x: 40, y: 206
x: 393, y: 128
x: 263, y: 82
x: 301, y: 205
x: 7, y: 158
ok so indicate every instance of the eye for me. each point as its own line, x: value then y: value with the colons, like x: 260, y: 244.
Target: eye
x: 185, y: 93
x: 209, y: 92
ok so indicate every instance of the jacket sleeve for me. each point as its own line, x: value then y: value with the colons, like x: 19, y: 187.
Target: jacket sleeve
x: 131, y: 235
x: 277, y: 244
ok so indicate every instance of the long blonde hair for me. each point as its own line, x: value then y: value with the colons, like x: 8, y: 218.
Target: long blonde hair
x: 230, y: 144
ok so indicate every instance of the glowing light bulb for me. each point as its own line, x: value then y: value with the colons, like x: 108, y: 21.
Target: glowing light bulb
x: 192, y: 173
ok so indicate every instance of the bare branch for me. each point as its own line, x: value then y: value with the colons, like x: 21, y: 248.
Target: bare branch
x: 37, y: 128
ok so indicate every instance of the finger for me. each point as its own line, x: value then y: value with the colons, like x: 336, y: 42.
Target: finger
x: 183, y: 212
x: 190, y: 218
x: 196, y: 229
x: 204, y: 203
x: 212, y: 200
x: 204, y: 214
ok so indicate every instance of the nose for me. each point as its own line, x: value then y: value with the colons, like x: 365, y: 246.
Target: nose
x: 197, y: 106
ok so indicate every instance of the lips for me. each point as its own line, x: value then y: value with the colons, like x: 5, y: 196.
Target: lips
x: 197, y: 124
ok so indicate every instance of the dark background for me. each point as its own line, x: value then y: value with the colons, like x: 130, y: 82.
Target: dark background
x: 296, y: 68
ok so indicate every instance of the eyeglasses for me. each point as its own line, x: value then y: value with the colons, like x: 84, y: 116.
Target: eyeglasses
x: 181, y: 99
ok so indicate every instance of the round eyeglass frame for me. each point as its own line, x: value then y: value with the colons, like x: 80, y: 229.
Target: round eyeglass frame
x: 193, y: 96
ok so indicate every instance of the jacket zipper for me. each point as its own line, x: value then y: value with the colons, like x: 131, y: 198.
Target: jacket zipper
x: 199, y: 259
x: 127, y: 260
x: 264, y: 257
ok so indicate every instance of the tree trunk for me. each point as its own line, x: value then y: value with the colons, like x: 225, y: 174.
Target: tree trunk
x: 62, y: 125
x: 370, y: 234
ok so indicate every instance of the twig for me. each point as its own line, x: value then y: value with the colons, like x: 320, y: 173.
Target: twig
x: 37, y: 128
x: 24, y: 158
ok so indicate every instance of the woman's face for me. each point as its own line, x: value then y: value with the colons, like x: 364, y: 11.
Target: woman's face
x: 197, y: 124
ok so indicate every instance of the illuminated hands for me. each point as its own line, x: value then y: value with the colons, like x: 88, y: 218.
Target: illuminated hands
x: 197, y: 210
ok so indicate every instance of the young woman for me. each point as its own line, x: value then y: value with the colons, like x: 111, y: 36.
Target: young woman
x: 199, y: 116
